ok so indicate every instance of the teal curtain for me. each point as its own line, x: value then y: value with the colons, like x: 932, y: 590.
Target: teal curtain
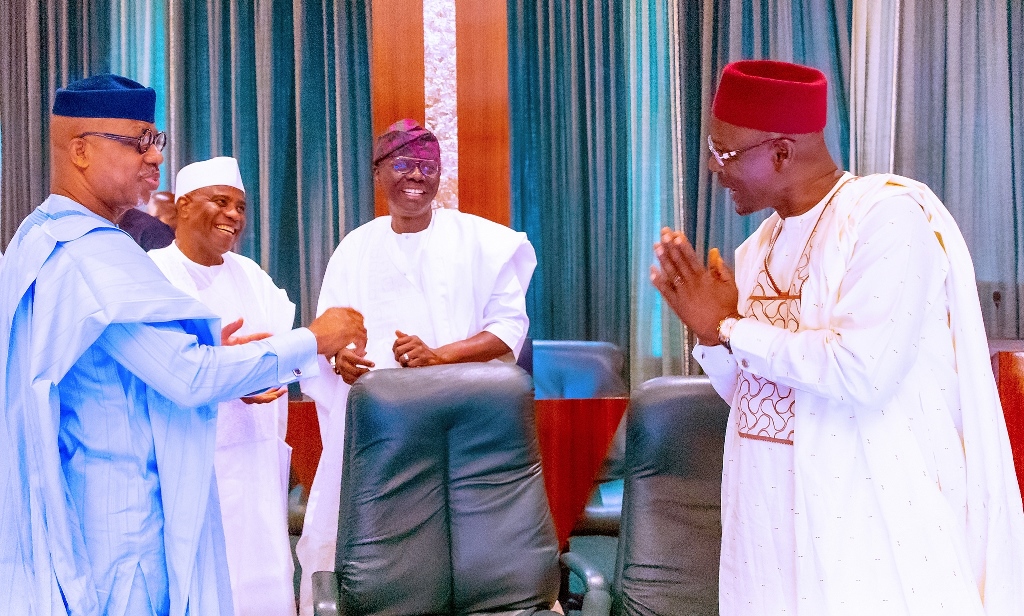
x: 677, y: 51
x: 656, y: 155
x: 569, y: 117
x: 44, y: 46
x: 284, y: 88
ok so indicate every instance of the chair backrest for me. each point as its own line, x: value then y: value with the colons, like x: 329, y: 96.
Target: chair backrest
x: 577, y: 369
x: 671, y: 533
x: 443, y: 506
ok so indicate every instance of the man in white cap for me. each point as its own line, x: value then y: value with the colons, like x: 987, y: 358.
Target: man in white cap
x: 107, y: 433
x: 867, y: 465
x: 251, y: 459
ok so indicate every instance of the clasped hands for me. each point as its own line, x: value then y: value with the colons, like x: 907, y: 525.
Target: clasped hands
x: 339, y: 334
x: 410, y: 352
x: 700, y: 296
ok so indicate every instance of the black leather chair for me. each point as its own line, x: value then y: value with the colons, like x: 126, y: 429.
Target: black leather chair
x: 443, y: 508
x: 577, y: 369
x: 670, y: 534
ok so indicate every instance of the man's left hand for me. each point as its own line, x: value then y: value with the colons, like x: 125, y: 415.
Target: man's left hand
x: 701, y: 297
x: 411, y: 352
x: 265, y: 397
x: 227, y: 338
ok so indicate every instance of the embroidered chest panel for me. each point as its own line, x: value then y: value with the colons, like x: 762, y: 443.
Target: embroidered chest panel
x: 765, y: 408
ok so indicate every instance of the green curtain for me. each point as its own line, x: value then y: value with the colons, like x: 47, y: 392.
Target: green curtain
x: 45, y: 45
x: 569, y: 117
x: 284, y: 88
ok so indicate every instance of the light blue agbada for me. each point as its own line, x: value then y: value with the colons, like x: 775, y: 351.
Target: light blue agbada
x: 107, y: 438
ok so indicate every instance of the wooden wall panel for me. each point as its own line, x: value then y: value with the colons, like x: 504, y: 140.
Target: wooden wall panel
x: 481, y: 48
x: 396, y: 79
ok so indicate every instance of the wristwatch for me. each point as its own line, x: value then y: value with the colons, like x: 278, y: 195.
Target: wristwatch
x: 725, y: 331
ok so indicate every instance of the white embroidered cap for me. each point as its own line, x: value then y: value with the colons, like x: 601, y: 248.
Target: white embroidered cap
x: 219, y: 171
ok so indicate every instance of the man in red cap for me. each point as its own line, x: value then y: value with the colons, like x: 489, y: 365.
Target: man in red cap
x: 867, y: 466
x: 437, y: 287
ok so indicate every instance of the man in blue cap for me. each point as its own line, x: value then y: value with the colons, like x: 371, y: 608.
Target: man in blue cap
x: 107, y: 499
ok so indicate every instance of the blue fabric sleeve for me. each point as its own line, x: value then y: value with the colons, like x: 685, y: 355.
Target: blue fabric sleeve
x: 190, y: 374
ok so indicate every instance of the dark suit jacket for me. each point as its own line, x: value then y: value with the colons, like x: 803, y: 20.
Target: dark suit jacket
x: 147, y: 231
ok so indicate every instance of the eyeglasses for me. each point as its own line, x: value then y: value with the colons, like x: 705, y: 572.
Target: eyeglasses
x: 721, y: 157
x: 141, y: 143
x: 405, y: 165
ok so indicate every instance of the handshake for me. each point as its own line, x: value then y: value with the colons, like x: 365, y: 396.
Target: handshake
x: 336, y: 329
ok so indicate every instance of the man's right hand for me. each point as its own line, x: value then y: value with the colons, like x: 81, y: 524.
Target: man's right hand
x: 350, y: 366
x: 336, y: 329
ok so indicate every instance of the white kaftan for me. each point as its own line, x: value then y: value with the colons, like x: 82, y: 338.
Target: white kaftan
x: 897, y: 494
x: 461, y: 276
x: 251, y: 459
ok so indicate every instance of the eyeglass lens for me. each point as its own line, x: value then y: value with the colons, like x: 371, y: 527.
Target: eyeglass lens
x: 405, y: 165
x: 719, y: 156
x: 148, y: 139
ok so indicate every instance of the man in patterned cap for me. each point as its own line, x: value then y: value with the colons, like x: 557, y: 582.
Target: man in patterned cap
x: 251, y: 458
x: 867, y: 464
x: 107, y: 498
x: 437, y: 287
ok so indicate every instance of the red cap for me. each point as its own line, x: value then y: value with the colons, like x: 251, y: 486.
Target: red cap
x: 775, y: 97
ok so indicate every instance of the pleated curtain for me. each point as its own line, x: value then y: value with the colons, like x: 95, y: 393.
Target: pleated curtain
x: 958, y: 126
x: 283, y: 87
x: 568, y: 115
x: 609, y: 105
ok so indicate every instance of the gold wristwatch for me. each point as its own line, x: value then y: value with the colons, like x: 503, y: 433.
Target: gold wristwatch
x: 725, y: 331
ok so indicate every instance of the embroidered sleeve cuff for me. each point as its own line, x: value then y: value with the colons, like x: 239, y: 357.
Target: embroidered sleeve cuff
x: 296, y: 355
x: 751, y: 343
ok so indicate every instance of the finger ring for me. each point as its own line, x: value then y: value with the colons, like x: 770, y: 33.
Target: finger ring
x: 405, y: 357
x: 676, y: 281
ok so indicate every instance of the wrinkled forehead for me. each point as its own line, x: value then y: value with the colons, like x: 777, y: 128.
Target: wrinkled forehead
x: 728, y: 136
x: 131, y: 128
x: 217, y: 191
x: 117, y: 126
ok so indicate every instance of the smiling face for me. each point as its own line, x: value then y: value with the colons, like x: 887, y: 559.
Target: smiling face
x: 210, y: 220
x: 753, y: 177
x: 410, y: 194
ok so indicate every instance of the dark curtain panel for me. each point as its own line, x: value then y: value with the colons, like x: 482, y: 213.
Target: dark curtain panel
x: 569, y: 130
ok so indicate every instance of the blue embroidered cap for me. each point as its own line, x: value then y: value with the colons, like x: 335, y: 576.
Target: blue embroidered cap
x: 106, y: 96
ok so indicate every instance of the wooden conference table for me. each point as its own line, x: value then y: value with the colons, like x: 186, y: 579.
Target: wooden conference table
x: 574, y: 436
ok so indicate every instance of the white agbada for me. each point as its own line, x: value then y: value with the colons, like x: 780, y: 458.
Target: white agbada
x: 461, y: 276
x: 895, y: 493
x: 251, y: 460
